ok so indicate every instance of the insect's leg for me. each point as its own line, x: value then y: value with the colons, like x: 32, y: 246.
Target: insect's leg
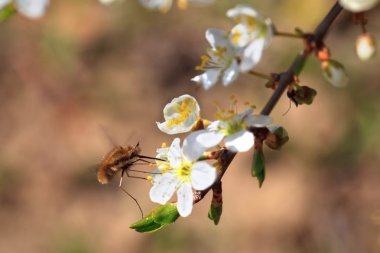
x: 146, y: 172
x: 121, y: 178
x: 126, y: 171
x: 142, y: 160
x: 137, y: 203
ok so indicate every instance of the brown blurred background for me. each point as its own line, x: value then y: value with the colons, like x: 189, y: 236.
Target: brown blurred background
x: 86, y: 67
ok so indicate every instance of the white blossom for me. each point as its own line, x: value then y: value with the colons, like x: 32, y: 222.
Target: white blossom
x: 180, y: 172
x: 219, y: 62
x: 181, y: 115
x: 232, y: 129
x: 251, y: 34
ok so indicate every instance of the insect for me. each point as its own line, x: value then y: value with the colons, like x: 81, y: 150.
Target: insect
x: 122, y: 159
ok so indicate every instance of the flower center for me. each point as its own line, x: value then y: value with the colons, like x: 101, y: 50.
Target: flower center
x: 215, y: 58
x: 185, y: 170
x: 184, y: 111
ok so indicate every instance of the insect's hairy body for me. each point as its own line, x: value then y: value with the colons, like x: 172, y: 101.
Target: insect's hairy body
x: 118, y: 159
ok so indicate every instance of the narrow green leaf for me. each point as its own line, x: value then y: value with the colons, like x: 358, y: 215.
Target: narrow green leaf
x: 166, y: 214
x: 258, y: 166
x: 215, y: 213
x: 146, y: 225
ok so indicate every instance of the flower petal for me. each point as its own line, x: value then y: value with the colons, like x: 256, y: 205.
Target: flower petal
x: 240, y: 142
x: 32, y: 8
x: 241, y: 10
x: 259, y: 121
x: 252, y: 54
x: 163, y: 188
x: 175, y: 153
x: 185, y: 199
x: 231, y: 73
x: 191, y: 148
x: 202, y: 175
x: 358, y: 5
x: 216, y: 37
x: 208, y: 78
x: 209, y: 139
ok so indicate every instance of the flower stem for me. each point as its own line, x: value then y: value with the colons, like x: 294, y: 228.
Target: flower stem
x: 261, y: 75
x: 289, y: 35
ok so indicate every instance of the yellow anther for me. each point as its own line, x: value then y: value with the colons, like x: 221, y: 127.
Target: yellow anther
x: 205, y: 60
x: 150, y: 178
x: 163, y: 145
x: 236, y: 36
x: 151, y: 165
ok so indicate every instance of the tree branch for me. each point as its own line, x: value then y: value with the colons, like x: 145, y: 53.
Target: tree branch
x: 225, y: 157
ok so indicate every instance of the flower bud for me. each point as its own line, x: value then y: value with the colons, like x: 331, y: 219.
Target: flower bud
x: 277, y: 137
x: 358, y: 5
x: 334, y: 73
x: 365, y: 47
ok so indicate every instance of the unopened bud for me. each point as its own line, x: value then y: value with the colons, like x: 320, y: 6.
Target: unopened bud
x: 365, y: 47
x: 358, y: 5
x: 334, y: 73
x: 277, y: 137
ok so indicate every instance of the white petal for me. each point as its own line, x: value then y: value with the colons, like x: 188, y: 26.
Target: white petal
x: 191, y: 148
x: 241, y: 117
x: 203, y: 175
x: 358, y: 5
x: 209, y: 139
x: 231, y: 73
x: 175, y: 153
x: 163, y: 188
x: 252, y: 54
x: 216, y: 37
x: 241, y: 35
x: 240, y: 142
x: 208, y: 78
x: 241, y: 10
x: 32, y: 8
x: 185, y: 199
x: 259, y: 121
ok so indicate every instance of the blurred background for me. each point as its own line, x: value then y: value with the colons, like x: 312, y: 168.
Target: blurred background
x: 86, y: 71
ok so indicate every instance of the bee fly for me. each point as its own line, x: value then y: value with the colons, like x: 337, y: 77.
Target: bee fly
x: 122, y: 159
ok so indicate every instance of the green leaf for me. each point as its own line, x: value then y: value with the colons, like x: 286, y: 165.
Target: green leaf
x: 158, y: 218
x: 214, y: 213
x: 166, y: 214
x: 258, y: 166
x: 6, y: 12
x: 146, y: 225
